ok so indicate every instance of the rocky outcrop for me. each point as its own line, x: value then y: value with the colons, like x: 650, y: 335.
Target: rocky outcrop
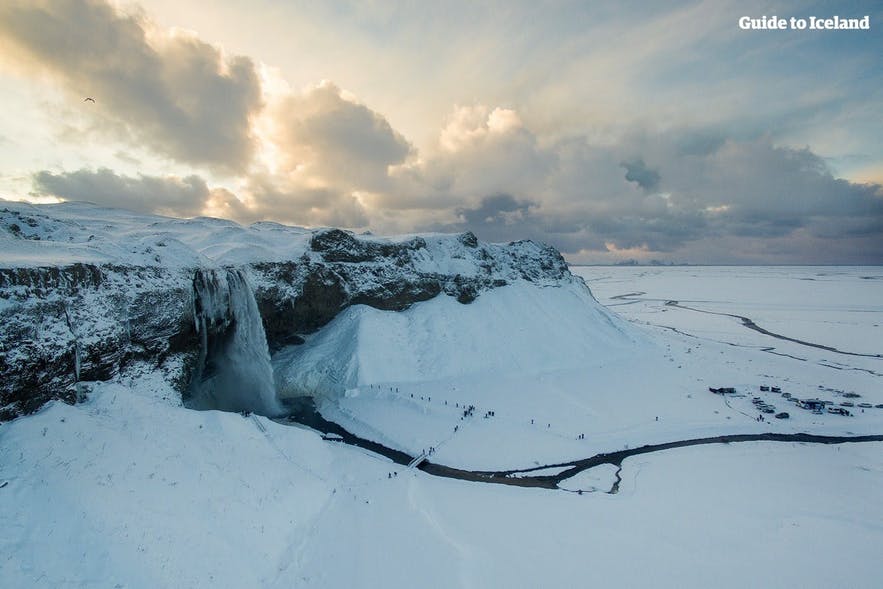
x: 65, y: 325
x: 83, y: 322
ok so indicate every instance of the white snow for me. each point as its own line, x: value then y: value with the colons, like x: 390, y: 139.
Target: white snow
x: 552, y: 366
x: 83, y: 232
x: 130, y: 489
x: 69, y: 232
x: 517, y: 327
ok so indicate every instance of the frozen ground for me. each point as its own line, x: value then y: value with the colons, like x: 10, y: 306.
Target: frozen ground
x: 129, y: 490
x: 551, y: 367
x: 132, y: 490
x: 836, y: 306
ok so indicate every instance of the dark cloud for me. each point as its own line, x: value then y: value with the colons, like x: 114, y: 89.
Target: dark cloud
x: 715, y: 191
x: 494, y: 210
x: 175, y: 93
x: 638, y: 172
x: 185, y: 197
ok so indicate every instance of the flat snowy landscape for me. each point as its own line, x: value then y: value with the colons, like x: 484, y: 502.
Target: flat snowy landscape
x: 131, y: 488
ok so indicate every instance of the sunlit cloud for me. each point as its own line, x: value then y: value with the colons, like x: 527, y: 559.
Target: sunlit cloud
x: 166, y: 88
x: 605, y: 133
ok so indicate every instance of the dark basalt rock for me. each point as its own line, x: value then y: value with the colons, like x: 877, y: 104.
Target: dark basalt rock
x: 468, y: 239
x: 69, y: 324
x: 337, y: 245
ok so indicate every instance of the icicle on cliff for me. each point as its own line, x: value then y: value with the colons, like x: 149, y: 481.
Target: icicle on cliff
x: 233, y: 372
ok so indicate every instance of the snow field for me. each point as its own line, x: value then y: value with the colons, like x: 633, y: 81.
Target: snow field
x: 403, y: 379
x: 132, y: 491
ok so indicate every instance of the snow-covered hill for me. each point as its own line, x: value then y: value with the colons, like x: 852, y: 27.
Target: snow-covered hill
x: 520, y: 328
x: 93, y: 294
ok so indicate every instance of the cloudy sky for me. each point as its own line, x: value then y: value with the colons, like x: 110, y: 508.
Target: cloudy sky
x: 612, y: 130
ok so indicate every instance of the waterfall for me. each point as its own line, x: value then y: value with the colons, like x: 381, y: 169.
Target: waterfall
x: 234, y: 371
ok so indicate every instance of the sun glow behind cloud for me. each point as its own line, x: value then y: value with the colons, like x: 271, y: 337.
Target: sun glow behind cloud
x: 605, y: 133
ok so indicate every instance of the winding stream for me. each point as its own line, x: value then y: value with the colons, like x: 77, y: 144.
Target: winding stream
x: 303, y: 411
x: 750, y: 324
x: 630, y: 298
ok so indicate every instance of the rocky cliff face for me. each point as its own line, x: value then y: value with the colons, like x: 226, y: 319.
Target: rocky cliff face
x: 78, y: 323
x: 301, y: 296
x: 65, y: 325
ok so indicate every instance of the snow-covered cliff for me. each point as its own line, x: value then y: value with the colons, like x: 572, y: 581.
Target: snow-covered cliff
x: 90, y: 293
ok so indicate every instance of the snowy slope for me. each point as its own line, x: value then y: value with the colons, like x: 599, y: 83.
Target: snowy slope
x: 128, y: 490
x: 520, y: 328
x: 564, y: 378
x: 58, y: 234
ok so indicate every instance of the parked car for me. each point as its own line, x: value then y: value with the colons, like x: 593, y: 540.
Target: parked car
x: 782, y: 415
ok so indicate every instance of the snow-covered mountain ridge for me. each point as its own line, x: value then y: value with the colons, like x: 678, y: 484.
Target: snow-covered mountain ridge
x: 91, y: 294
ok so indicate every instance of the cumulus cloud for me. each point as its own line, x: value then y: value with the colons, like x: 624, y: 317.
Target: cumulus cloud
x: 325, y: 137
x: 278, y: 198
x: 185, y: 197
x: 499, y: 180
x: 169, y: 90
x: 481, y: 152
x: 262, y: 198
x: 713, y: 191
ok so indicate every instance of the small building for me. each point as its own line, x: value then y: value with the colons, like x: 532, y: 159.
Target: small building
x: 812, y: 404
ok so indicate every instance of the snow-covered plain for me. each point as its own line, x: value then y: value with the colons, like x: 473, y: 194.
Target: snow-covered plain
x: 130, y: 489
x: 551, y: 366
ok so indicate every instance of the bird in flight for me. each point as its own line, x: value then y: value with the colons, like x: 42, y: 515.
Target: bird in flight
x: 88, y: 99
